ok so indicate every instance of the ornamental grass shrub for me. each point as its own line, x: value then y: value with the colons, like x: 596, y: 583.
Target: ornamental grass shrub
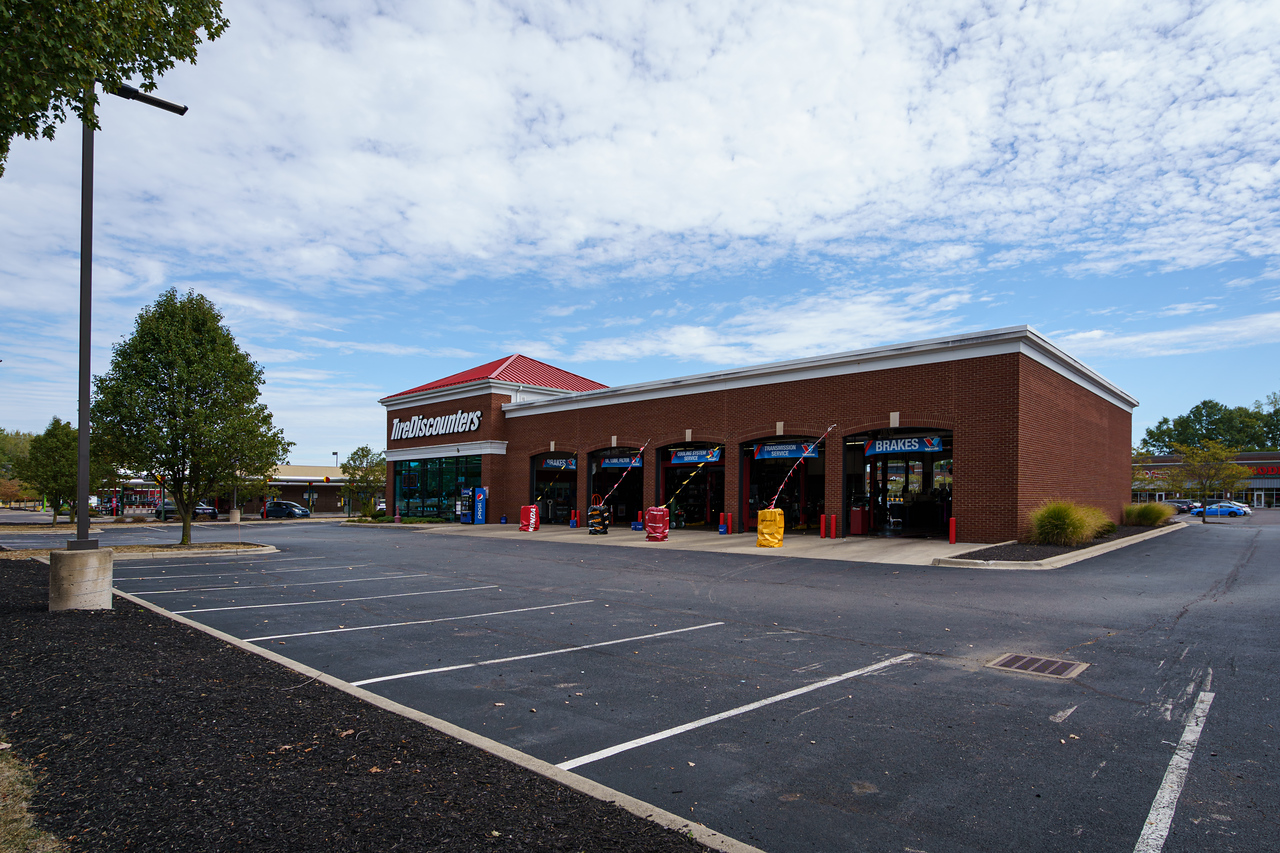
x: 1148, y: 514
x: 1068, y: 523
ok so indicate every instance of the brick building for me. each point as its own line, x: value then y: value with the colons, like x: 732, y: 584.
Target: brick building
x: 981, y: 427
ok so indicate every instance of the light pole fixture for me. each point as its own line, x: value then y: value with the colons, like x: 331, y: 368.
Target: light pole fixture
x: 82, y: 542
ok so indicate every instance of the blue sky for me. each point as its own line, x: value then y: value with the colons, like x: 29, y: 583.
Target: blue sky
x: 380, y: 194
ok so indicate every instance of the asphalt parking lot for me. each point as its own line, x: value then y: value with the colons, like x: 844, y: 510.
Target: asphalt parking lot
x: 801, y: 704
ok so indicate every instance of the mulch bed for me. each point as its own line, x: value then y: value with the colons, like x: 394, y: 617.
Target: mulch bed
x: 1020, y: 552
x: 145, y: 734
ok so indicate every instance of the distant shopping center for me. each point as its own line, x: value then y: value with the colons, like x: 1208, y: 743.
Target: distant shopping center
x: 899, y: 439
x: 1261, y: 489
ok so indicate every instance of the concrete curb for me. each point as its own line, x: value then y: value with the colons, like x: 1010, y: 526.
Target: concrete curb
x: 47, y: 532
x: 1061, y: 560
x: 391, y: 525
x: 204, y: 552
x: 640, y: 808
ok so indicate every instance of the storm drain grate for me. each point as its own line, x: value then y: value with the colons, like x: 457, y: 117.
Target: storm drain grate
x: 1039, y: 666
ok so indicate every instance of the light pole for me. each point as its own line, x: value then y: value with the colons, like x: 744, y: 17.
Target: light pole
x: 63, y: 585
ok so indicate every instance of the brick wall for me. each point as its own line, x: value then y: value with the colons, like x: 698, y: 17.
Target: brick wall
x: 1021, y: 433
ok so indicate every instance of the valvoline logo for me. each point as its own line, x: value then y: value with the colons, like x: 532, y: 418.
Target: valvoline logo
x: 933, y: 443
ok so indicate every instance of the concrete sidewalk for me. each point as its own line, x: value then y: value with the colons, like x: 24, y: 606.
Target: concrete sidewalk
x: 862, y: 549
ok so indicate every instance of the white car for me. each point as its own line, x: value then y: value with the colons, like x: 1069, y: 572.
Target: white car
x: 1245, y: 508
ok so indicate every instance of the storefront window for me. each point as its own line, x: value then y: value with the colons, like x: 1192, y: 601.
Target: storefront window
x: 432, y: 488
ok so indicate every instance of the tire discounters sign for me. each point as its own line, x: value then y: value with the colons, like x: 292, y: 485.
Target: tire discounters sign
x: 417, y: 427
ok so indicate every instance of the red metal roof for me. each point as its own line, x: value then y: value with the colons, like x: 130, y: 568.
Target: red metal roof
x: 517, y: 369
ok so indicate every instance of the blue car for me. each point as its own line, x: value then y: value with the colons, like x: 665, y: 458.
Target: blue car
x: 1227, y: 509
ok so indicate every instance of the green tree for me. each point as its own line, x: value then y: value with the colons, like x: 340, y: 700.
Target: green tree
x: 1144, y: 478
x: 1269, y: 412
x: 1209, y: 420
x: 366, y: 474
x: 13, y: 446
x: 51, y: 465
x: 1207, y: 469
x: 52, y: 52
x: 180, y: 400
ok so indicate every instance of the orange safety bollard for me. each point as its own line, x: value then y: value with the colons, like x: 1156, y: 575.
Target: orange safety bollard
x: 822, y: 526
x: 953, y: 530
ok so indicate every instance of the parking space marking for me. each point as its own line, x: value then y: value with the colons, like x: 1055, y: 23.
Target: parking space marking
x: 534, y: 655
x: 286, y: 585
x: 331, y: 600
x: 416, y: 622
x: 723, y: 715
x: 1156, y: 829
x: 235, y: 560
x: 258, y: 571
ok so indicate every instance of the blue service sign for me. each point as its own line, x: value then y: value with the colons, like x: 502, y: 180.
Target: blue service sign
x: 695, y: 457
x: 920, y: 444
x: 570, y: 464
x: 786, y: 451
x: 621, y: 461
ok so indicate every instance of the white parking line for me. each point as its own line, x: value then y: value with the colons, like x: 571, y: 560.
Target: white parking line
x: 236, y: 560
x: 283, y: 585
x: 416, y: 622
x: 330, y: 600
x: 534, y: 655
x: 1156, y: 829
x: 723, y: 715
x: 242, y: 571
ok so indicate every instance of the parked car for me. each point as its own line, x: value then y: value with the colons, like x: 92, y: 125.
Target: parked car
x: 202, y: 510
x: 285, y: 509
x: 1245, y: 508
x: 1218, y: 509
x: 1183, y: 504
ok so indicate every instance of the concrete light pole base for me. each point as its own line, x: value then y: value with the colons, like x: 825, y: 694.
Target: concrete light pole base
x: 80, y: 580
x: 233, y: 516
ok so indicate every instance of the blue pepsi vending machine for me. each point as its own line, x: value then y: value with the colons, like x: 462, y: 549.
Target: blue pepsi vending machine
x: 473, y: 505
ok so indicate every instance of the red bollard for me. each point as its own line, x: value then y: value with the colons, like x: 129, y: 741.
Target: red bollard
x: 729, y: 516
x: 722, y: 518
x: 953, y: 530
x: 822, y: 526
x: 832, y: 534
x: 640, y: 516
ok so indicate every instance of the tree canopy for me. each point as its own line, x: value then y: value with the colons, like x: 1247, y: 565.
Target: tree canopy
x: 13, y: 446
x: 180, y: 400
x: 1241, y: 427
x: 51, y: 465
x: 366, y: 474
x: 1207, y: 469
x: 52, y: 51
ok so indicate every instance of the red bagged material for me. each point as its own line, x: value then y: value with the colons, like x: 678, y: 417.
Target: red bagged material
x: 529, y: 518
x: 657, y: 521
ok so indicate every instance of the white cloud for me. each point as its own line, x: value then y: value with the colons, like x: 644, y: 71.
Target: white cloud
x: 1250, y: 330
x: 835, y: 319
x: 360, y: 142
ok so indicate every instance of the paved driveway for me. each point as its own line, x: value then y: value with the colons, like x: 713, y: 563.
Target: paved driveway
x: 803, y: 704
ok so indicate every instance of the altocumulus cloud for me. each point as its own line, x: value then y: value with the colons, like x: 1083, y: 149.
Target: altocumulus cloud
x: 343, y: 143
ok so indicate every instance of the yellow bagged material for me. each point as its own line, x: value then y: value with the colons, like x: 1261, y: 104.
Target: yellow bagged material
x: 769, y: 528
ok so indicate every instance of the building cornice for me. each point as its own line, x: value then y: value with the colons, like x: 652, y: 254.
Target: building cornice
x: 439, y: 451
x: 1014, y: 339
x: 478, y: 388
